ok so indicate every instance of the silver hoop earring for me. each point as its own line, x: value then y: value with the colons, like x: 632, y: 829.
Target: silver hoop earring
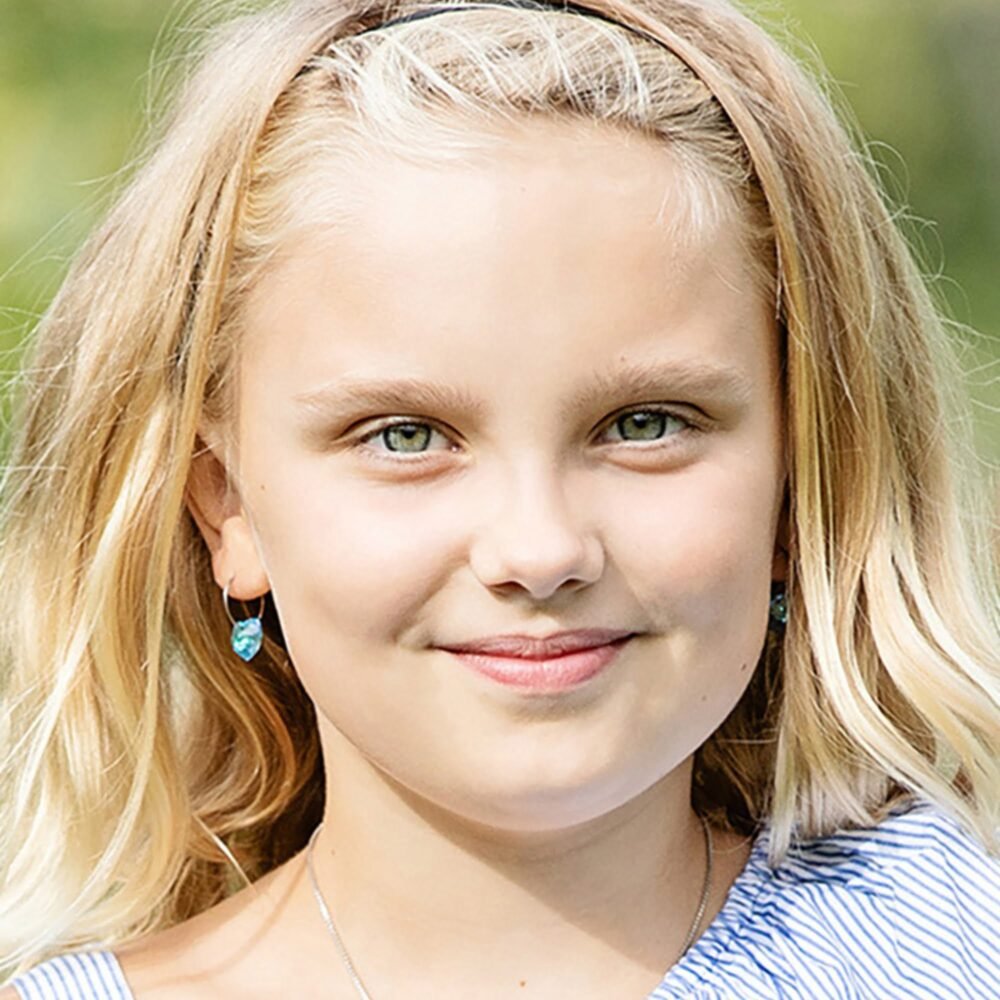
x: 248, y: 635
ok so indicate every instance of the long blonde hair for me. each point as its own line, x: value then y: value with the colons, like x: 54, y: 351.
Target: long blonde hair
x: 140, y: 769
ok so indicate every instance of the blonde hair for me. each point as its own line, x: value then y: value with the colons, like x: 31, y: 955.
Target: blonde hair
x: 140, y: 768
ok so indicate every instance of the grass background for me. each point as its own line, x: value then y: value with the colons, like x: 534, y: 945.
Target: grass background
x: 921, y: 78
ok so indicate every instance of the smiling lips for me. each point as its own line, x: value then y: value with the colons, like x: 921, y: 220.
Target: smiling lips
x: 543, y: 665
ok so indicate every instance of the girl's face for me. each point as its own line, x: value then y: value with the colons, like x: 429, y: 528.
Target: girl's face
x: 522, y: 396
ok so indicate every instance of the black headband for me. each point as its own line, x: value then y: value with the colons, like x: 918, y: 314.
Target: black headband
x: 564, y: 6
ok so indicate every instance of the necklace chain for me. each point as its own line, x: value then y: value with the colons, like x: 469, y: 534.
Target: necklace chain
x: 706, y: 887
x: 356, y: 979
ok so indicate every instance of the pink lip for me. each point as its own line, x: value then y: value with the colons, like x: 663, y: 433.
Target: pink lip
x: 544, y: 675
x: 540, y: 647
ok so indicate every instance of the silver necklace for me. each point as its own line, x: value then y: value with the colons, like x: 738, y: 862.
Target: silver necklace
x: 356, y: 979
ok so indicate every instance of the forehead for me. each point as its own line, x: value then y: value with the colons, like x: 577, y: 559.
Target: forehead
x: 316, y: 192
x: 558, y: 241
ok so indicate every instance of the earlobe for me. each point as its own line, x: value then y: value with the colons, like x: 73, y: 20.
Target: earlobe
x: 216, y: 509
x: 779, y: 564
x: 236, y: 562
x: 782, y: 543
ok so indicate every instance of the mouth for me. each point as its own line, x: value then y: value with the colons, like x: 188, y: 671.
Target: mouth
x: 549, y: 673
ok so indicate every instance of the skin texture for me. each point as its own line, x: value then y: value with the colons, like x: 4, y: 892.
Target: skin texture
x: 472, y: 832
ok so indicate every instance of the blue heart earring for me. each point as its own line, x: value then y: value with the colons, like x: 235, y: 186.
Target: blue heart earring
x: 779, y: 606
x: 248, y: 635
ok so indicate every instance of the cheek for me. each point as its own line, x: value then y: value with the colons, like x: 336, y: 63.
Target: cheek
x: 699, y: 544
x: 364, y: 558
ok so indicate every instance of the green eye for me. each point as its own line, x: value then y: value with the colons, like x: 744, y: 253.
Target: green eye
x: 648, y: 425
x: 406, y: 438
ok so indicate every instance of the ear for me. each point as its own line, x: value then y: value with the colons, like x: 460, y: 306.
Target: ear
x: 782, y: 542
x: 215, y: 505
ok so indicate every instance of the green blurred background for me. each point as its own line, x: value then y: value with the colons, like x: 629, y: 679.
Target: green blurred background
x: 922, y: 78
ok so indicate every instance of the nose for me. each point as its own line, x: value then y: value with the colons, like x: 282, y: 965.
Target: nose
x: 533, y: 540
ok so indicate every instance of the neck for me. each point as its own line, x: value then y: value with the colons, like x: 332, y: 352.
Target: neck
x: 619, y: 892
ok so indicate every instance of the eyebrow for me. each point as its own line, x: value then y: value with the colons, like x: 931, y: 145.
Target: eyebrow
x: 345, y: 395
x: 648, y: 379
x: 635, y: 379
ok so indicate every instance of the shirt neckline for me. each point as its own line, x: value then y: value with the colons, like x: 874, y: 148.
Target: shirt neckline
x: 736, y: 907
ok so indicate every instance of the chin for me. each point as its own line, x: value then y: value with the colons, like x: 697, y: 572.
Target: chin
x: 529, y: 801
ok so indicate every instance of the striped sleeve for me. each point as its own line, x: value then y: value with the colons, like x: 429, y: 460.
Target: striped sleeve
x: 909, y: 909
x: 94, y: 975
x: 948, y: 900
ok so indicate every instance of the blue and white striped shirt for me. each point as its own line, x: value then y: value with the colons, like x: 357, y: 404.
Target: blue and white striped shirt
x: 909, y: 910
x: 93, y: 975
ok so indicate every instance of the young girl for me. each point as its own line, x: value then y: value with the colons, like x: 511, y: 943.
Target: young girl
x: 488, y: 517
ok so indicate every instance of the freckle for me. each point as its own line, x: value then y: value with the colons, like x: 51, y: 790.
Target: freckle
x: 704, y: 697
x: 522, y: 984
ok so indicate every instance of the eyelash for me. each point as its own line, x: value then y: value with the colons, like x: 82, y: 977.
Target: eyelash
x: 413, y: 458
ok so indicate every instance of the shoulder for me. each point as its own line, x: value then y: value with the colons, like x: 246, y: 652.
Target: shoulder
x: 918, y: 875
x: 906, y: 908
x: 93, y: 975
x: 191, y: 959
x: 911, y: 848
